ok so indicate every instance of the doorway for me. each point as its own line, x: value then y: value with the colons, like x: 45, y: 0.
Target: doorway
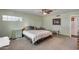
x: 74, y: 26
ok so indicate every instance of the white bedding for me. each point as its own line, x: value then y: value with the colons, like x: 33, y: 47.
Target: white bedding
x: 36, y: 34
x: 4, y: 41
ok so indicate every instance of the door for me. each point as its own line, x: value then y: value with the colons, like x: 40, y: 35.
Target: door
x: 74, y: 27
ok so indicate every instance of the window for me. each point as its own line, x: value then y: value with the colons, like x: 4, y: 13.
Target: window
x: 11, y: 18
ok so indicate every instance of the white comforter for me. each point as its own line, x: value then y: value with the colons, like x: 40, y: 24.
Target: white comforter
x: 36, y: 34
x: 4, y: 41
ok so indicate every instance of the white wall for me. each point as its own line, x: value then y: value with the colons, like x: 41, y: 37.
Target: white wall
x: 28, y: 19
x: 65, y: 22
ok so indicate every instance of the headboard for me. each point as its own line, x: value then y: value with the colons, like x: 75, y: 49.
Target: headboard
x: 32, y: 28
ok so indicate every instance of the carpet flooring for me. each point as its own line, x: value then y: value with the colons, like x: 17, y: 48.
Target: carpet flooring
x: 52, y: 43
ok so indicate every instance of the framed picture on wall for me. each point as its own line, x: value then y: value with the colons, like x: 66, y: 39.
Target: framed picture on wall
x: 57, y: 21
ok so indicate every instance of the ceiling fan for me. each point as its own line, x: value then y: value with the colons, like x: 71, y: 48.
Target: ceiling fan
x: 46, y: 11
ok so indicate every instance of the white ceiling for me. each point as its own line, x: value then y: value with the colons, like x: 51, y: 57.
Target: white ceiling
x: 39, y: 12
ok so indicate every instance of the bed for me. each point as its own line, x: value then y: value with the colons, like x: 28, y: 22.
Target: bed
x: 36, y: 35
x: 4, y: 41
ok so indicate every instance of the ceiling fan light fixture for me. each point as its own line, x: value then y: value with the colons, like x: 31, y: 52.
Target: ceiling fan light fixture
x: 46, y: 11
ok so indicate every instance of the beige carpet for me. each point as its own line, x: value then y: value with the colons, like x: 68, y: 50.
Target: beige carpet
x: 52, y: 43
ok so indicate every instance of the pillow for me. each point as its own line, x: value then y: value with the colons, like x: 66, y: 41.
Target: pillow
x: 41, y: 28
x: 29, y: 28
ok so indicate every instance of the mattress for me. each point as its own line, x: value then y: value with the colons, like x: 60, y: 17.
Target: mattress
x: 36, y: 34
